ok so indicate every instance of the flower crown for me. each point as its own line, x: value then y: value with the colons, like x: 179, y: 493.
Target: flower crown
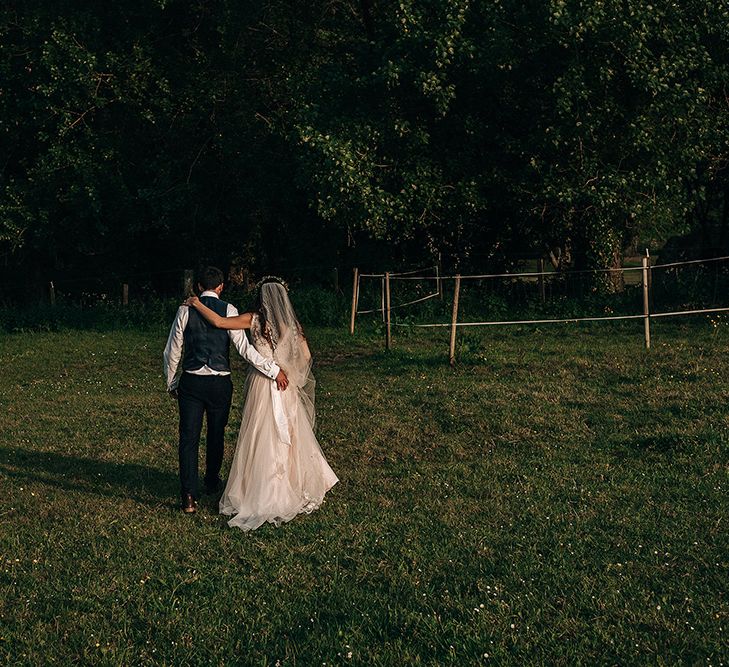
x: 271, y: 279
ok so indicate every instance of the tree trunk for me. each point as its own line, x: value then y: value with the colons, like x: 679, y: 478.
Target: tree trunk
x: 599, y: 249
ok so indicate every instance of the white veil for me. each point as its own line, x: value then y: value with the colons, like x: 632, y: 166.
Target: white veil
x: 290, y: 349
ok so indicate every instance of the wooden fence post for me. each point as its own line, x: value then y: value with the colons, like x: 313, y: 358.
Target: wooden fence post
x: 187, y: 280
x: 646, y: 308
x: 454, y: 320
x: 52, y: 293
x: 388, y: 336
x: 382, y: 298
x: 125, y: 294
x: 439, y: 273
x: 542, y: 287
x: 650, y: 280
x: 355, y: 298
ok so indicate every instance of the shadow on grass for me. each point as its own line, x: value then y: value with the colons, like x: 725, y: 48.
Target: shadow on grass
x: 653, y: 446
x: 143, y: 484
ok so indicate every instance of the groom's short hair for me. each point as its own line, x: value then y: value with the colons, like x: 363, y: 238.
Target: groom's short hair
x: 210, y: 277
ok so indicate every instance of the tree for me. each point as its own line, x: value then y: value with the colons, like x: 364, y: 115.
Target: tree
x: 279, y: 133
x: 489, y: 128
x: 136, y: 134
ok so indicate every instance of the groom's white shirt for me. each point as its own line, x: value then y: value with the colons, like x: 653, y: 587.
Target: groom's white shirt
x: 173, y: 349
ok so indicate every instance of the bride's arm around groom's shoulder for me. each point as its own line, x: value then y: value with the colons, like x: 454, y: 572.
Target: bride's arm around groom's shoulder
x: 232, y: 322
x: 235, y: 324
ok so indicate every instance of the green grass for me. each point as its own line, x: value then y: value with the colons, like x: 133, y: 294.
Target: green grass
x: 560, y: 498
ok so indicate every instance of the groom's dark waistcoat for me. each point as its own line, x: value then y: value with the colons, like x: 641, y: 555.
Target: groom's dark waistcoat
x: 204, y: 344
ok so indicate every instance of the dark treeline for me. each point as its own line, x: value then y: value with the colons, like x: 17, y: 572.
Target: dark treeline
x: 141, y: 137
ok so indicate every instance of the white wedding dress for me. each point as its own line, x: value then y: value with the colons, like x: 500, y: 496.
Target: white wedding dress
x: 278, y: 469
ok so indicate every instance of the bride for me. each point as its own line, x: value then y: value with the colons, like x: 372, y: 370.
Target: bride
x: 278, y: 469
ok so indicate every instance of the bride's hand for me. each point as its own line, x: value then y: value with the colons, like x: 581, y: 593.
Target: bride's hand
x: 192, y: 302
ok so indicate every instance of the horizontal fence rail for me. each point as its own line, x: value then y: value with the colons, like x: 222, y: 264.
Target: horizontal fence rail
x: 556, y: 274
x: 565, y: 320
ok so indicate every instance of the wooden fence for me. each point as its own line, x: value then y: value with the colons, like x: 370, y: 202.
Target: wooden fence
x: 645, y: 280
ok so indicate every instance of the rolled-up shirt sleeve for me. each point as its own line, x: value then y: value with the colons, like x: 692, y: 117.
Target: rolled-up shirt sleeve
x: 267, y: 366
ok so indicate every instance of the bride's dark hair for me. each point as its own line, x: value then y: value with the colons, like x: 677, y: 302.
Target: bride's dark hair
x: 258, y: 308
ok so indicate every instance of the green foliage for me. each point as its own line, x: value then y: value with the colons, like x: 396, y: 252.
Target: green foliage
x: 320, y: 307
x: 315, y: 306
x: 135, y: 136
x: 153, y: 314
x: 380, y: 137
x: 573, y: 126
x: 277, y: 135
x: 635, y: 137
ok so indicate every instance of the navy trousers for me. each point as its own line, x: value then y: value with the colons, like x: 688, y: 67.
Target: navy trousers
x: 199, y: 395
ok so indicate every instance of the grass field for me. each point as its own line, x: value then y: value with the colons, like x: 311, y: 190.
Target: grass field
x: 560, y: 498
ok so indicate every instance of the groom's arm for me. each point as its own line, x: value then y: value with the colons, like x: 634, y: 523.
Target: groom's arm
x: 173, y: 349
x: 267, y: 366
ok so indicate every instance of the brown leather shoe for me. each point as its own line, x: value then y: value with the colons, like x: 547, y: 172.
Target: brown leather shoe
x: 189, y: 506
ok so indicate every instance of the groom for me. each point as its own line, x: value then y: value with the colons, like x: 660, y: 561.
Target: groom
x: 204, y: 385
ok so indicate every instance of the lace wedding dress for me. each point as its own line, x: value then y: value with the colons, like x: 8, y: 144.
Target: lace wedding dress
x: 278, y: 469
